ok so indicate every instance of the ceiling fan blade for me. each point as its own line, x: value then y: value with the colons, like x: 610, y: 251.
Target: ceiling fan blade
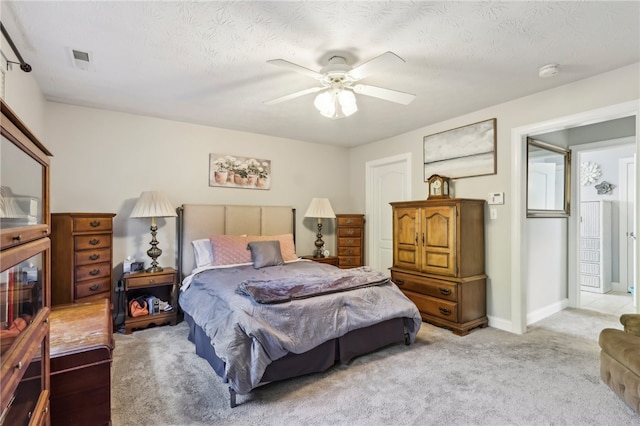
x: 294, y: 95
x: 379, y: 63
x: 295, y: 67
x: 386, y: 94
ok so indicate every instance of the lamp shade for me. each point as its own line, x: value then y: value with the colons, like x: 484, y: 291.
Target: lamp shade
x: 320, y: 208
x: 153, y: 204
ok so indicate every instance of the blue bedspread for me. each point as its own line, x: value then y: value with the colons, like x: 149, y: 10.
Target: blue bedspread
x: 248, y: 336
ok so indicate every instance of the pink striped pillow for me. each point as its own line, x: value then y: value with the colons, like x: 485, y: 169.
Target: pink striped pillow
x: 232, y: 249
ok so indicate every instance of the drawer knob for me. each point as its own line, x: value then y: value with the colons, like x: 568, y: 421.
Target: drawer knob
x: 94, y: 223
x: 19, y: 365
x: 350, y: 241
x: 94, y: 272
x: 445, y: 291
x: 94, y: 257
x: 349, y: 251
x: 399, y: 282
x: 94, y: 287
x: 349, y: 260
x: 94, y: 242
x: 17, y: 237
x: 445, y: 311
x: 349, y: 221
x: 151, y: 281
x: 350, y: 232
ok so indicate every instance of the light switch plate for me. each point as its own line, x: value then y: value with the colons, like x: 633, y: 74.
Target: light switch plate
x: 496, y: 198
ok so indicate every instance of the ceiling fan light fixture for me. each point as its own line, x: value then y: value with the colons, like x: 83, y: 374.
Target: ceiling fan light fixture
x: 325, y: 103
x: 336, y: 104
x: 347, y: 102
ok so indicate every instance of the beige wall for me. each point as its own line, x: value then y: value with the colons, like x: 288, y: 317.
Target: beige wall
x: 103, y: 160
x: 611, y: 88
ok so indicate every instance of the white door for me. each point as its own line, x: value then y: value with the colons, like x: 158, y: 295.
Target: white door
x: 387, y: 180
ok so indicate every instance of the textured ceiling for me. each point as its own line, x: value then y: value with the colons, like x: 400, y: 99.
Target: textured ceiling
x: 206, y: 62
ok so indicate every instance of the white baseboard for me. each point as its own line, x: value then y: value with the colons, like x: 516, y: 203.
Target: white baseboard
x: 542, y: 313
x: 500, y: 323
x: 618, y: 287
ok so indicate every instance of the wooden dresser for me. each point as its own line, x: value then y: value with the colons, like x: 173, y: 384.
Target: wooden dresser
x: 350, y: 231
x: 82, y: 253
x: 438, y: 260
x: 81, y: 353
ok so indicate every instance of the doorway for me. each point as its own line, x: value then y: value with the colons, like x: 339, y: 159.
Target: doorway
x: 613, y: 159
x: 387, y: 180
x: 519, y: 225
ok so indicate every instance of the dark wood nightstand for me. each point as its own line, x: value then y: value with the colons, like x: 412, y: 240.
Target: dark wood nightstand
x: 331, y: 260
x: 159, y: 284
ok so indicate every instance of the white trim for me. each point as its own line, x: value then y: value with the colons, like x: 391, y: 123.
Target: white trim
x: 542, y: 313
x: 369, y: 207
x: 518, y: 199
x: 624, y: 243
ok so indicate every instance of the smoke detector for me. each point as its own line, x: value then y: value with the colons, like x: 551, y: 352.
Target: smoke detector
x: 549, y: 70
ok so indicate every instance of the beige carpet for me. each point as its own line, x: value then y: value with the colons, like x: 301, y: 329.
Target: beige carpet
x: 548, y: 376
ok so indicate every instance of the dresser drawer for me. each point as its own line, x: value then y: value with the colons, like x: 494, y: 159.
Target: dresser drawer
x: 350, y: 221
x: 150, y: 281
x: 91, y: 224
x: 93, y: 271
x: 94, y: 287
x: 349, y: 232
x: 349, y: 261
x: 85, y: 257
x: 423, y: 285
x: 349, y: 242
x: 433, y: 306
x: 349, y: 251
x: 85, y: 242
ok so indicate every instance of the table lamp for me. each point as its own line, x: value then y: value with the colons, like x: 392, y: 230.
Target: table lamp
x: 320, y: 208
x: 153, y: 204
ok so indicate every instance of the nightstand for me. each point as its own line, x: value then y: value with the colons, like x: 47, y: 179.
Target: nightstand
x: 331, y: 260
x: 159, y: 284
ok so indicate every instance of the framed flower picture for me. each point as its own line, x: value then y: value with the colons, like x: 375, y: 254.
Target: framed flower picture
x: 232, y: 171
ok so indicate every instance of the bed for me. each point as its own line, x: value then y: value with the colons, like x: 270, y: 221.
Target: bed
x: 253, y: 332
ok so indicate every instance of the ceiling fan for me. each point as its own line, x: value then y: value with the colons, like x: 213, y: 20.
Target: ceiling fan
x: 338, y: 81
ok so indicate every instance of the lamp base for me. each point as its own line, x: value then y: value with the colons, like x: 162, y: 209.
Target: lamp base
x: 319, y: 243
x: 154, y: 252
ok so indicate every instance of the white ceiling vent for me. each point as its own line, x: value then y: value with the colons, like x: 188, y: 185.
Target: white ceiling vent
x: 81, y: 59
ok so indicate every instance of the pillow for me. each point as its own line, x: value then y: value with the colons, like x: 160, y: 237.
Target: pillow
x: 287, y: 246
x: 229, y: 250
x: 265, y: 253
x: 202, y: 252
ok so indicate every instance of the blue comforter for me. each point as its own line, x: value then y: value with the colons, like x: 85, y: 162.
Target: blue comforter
x: 248, y: 336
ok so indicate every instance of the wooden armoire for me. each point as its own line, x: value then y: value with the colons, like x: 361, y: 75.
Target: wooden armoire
x: 438, y: 260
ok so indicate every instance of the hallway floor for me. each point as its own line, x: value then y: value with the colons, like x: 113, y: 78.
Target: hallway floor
x: 614, y: 302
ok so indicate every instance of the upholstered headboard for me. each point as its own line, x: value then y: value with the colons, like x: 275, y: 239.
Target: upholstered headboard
x: 197, y: 221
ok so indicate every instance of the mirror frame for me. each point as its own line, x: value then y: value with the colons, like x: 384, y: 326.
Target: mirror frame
x: 566, y: 153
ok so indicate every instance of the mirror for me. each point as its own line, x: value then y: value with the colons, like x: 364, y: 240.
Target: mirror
x: 548, y: 180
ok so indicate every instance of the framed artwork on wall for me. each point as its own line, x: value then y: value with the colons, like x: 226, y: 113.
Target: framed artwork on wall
x: 232, y: 171
x: 462, y: 152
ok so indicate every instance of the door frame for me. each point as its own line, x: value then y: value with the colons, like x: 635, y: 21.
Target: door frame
x: 370, y: 189
x: 518, y: 199
x: 624, y: 243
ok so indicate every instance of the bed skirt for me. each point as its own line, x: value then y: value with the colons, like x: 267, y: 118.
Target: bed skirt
x: 340, y: 350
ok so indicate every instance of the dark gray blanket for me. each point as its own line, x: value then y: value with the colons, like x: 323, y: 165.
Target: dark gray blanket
x: 304, y: 286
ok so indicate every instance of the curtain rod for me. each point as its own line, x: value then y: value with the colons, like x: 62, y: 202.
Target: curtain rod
x: 23, y: 65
